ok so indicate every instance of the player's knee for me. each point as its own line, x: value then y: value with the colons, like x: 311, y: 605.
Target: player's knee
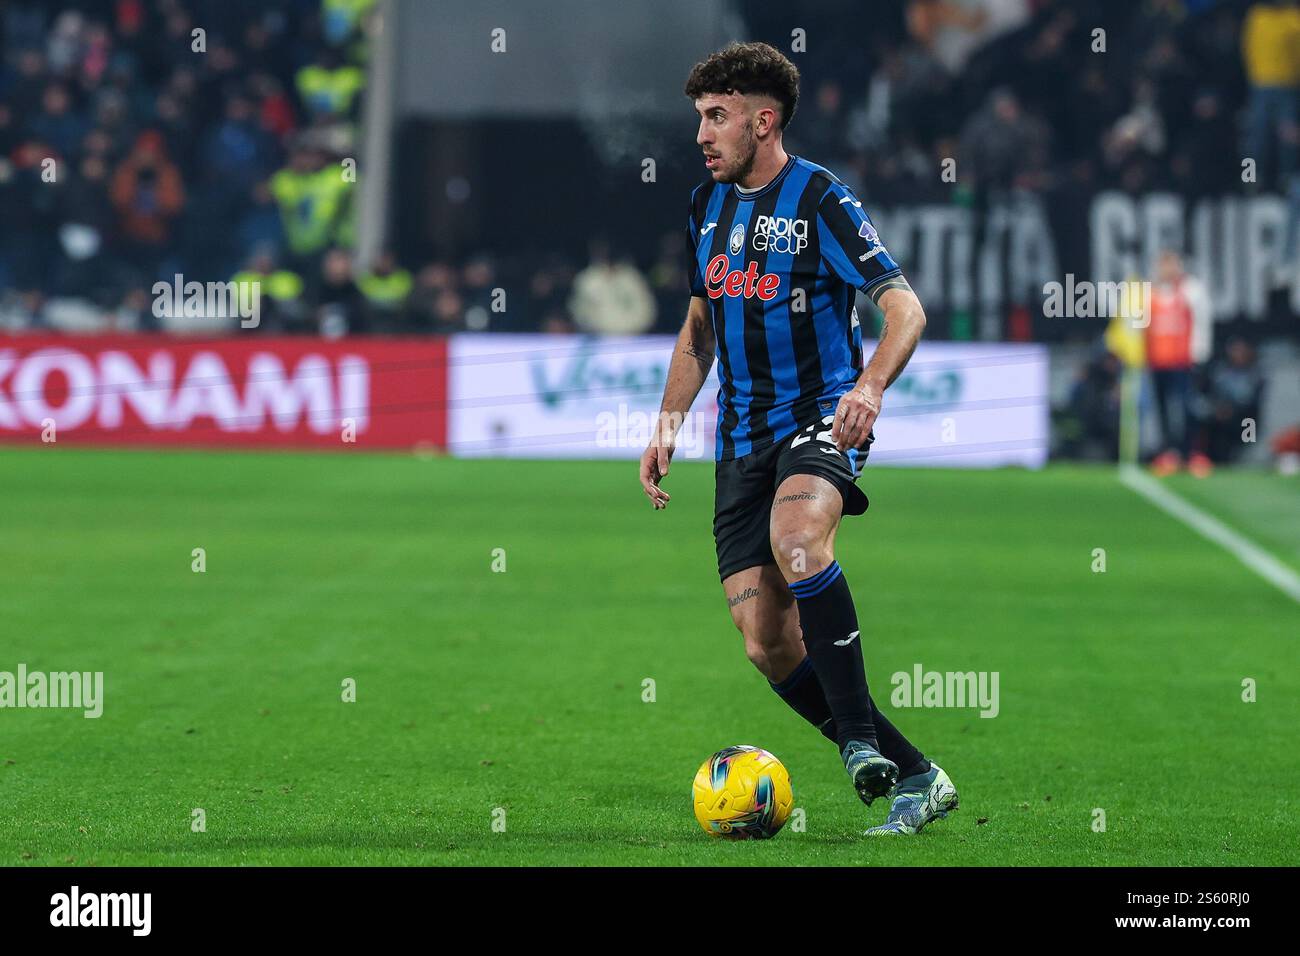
x: 800, y: 552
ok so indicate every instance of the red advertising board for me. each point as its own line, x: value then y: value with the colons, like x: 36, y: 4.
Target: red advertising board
x: 260, y: 392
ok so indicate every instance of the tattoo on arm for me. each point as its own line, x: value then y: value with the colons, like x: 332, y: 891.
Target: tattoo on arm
x: 877, y: 293
x: 699, y: 355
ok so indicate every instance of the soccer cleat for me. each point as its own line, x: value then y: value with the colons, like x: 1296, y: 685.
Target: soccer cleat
x: 873, y: 775
x: 918, y: 800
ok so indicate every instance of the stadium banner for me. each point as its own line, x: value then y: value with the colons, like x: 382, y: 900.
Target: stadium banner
x: 958, y: 404
x: 260, y: 392
x: 961, y: 260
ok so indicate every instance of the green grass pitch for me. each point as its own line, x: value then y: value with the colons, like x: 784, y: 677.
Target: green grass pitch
x: 522, y: 690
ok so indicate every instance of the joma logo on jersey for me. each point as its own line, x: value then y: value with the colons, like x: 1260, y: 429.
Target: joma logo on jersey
x: 779, y: 234
x: 748, y: 283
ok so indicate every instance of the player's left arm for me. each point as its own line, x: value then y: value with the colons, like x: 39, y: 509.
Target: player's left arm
x: 853, y: 250
x: 904, y: 321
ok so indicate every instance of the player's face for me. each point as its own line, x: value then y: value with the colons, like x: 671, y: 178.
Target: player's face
x: 726, y: 136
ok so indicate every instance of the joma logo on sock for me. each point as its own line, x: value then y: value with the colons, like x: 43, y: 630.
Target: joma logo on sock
x: 102, y: 909
x: 922, y: 688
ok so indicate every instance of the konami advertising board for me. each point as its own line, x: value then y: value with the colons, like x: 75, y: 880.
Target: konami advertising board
x: 265, y: 392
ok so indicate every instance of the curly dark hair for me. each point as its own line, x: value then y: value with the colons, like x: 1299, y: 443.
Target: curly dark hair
x: 748, y: 68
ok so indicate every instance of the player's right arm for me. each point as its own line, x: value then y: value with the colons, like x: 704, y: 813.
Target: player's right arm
x: 687, y: 371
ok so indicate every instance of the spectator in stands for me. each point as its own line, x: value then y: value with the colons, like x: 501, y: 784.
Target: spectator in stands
x: 431, y: 282
x: 312, y: 194
x: 147, y: 193
x: 341, y: 19
x: 384, y: 287
x: 1000, y: 143
x: 545, y: 296
x: 279, y: 295
x: 449, y: 312
x: 954, y: 30
x: 1270, y: 46
x: 339, y: 303
x: 1139, y: 134
x: 236, y: 153
x: 668, y: 281
x: 822, y: 131
x: 85, y: 229
x: 478, y: 283
x: 29, y: 211
x: 611, y: 298
x: 329, y: 87
x: 57, y: 123
x: 1199, y: 163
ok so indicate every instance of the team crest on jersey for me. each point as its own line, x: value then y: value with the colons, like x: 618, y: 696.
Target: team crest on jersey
x: 780, y: 234
x: 737, y: 240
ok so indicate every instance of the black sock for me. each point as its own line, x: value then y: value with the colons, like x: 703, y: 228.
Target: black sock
x: 830, y: 633
x: 897, y: 747
x: 803, y: 692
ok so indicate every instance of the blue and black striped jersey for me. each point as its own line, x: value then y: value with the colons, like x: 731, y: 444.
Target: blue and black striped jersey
x: 779, y: 267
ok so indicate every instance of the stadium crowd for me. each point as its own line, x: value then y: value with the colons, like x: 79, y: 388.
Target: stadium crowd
x: 125, y: 158
x: 143, y: 139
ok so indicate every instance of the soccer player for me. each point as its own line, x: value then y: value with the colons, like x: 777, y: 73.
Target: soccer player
x: 778, y: 247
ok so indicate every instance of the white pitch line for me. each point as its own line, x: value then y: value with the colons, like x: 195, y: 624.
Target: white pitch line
x: 1246, y: 551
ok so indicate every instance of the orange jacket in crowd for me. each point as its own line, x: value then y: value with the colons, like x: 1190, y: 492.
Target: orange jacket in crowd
x: 1179, y: 333
x: 147, y: 192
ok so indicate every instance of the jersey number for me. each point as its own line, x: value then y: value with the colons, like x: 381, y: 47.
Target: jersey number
x: 821, y: 436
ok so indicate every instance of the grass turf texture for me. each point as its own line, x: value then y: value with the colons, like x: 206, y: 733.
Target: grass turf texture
x: 523, y: 690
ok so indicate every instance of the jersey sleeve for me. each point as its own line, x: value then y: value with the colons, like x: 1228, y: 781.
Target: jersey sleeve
x: 850, y: 246
x: 693, y: 277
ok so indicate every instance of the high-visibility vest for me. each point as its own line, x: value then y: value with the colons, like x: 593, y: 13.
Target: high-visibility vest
x: 1169, y: 334
x: 329, y: 91
x: 281, y: 285
x: 386, y: 290
x: 309, y: 206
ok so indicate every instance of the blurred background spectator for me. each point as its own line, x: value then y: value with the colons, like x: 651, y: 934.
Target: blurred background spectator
x: 1270, y: 43
x: 1233, y: 393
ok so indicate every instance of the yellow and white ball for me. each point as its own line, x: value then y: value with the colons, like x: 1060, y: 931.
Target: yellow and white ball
x: 742, y: 793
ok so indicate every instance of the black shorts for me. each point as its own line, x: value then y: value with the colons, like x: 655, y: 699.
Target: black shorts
x: 746, y: 487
